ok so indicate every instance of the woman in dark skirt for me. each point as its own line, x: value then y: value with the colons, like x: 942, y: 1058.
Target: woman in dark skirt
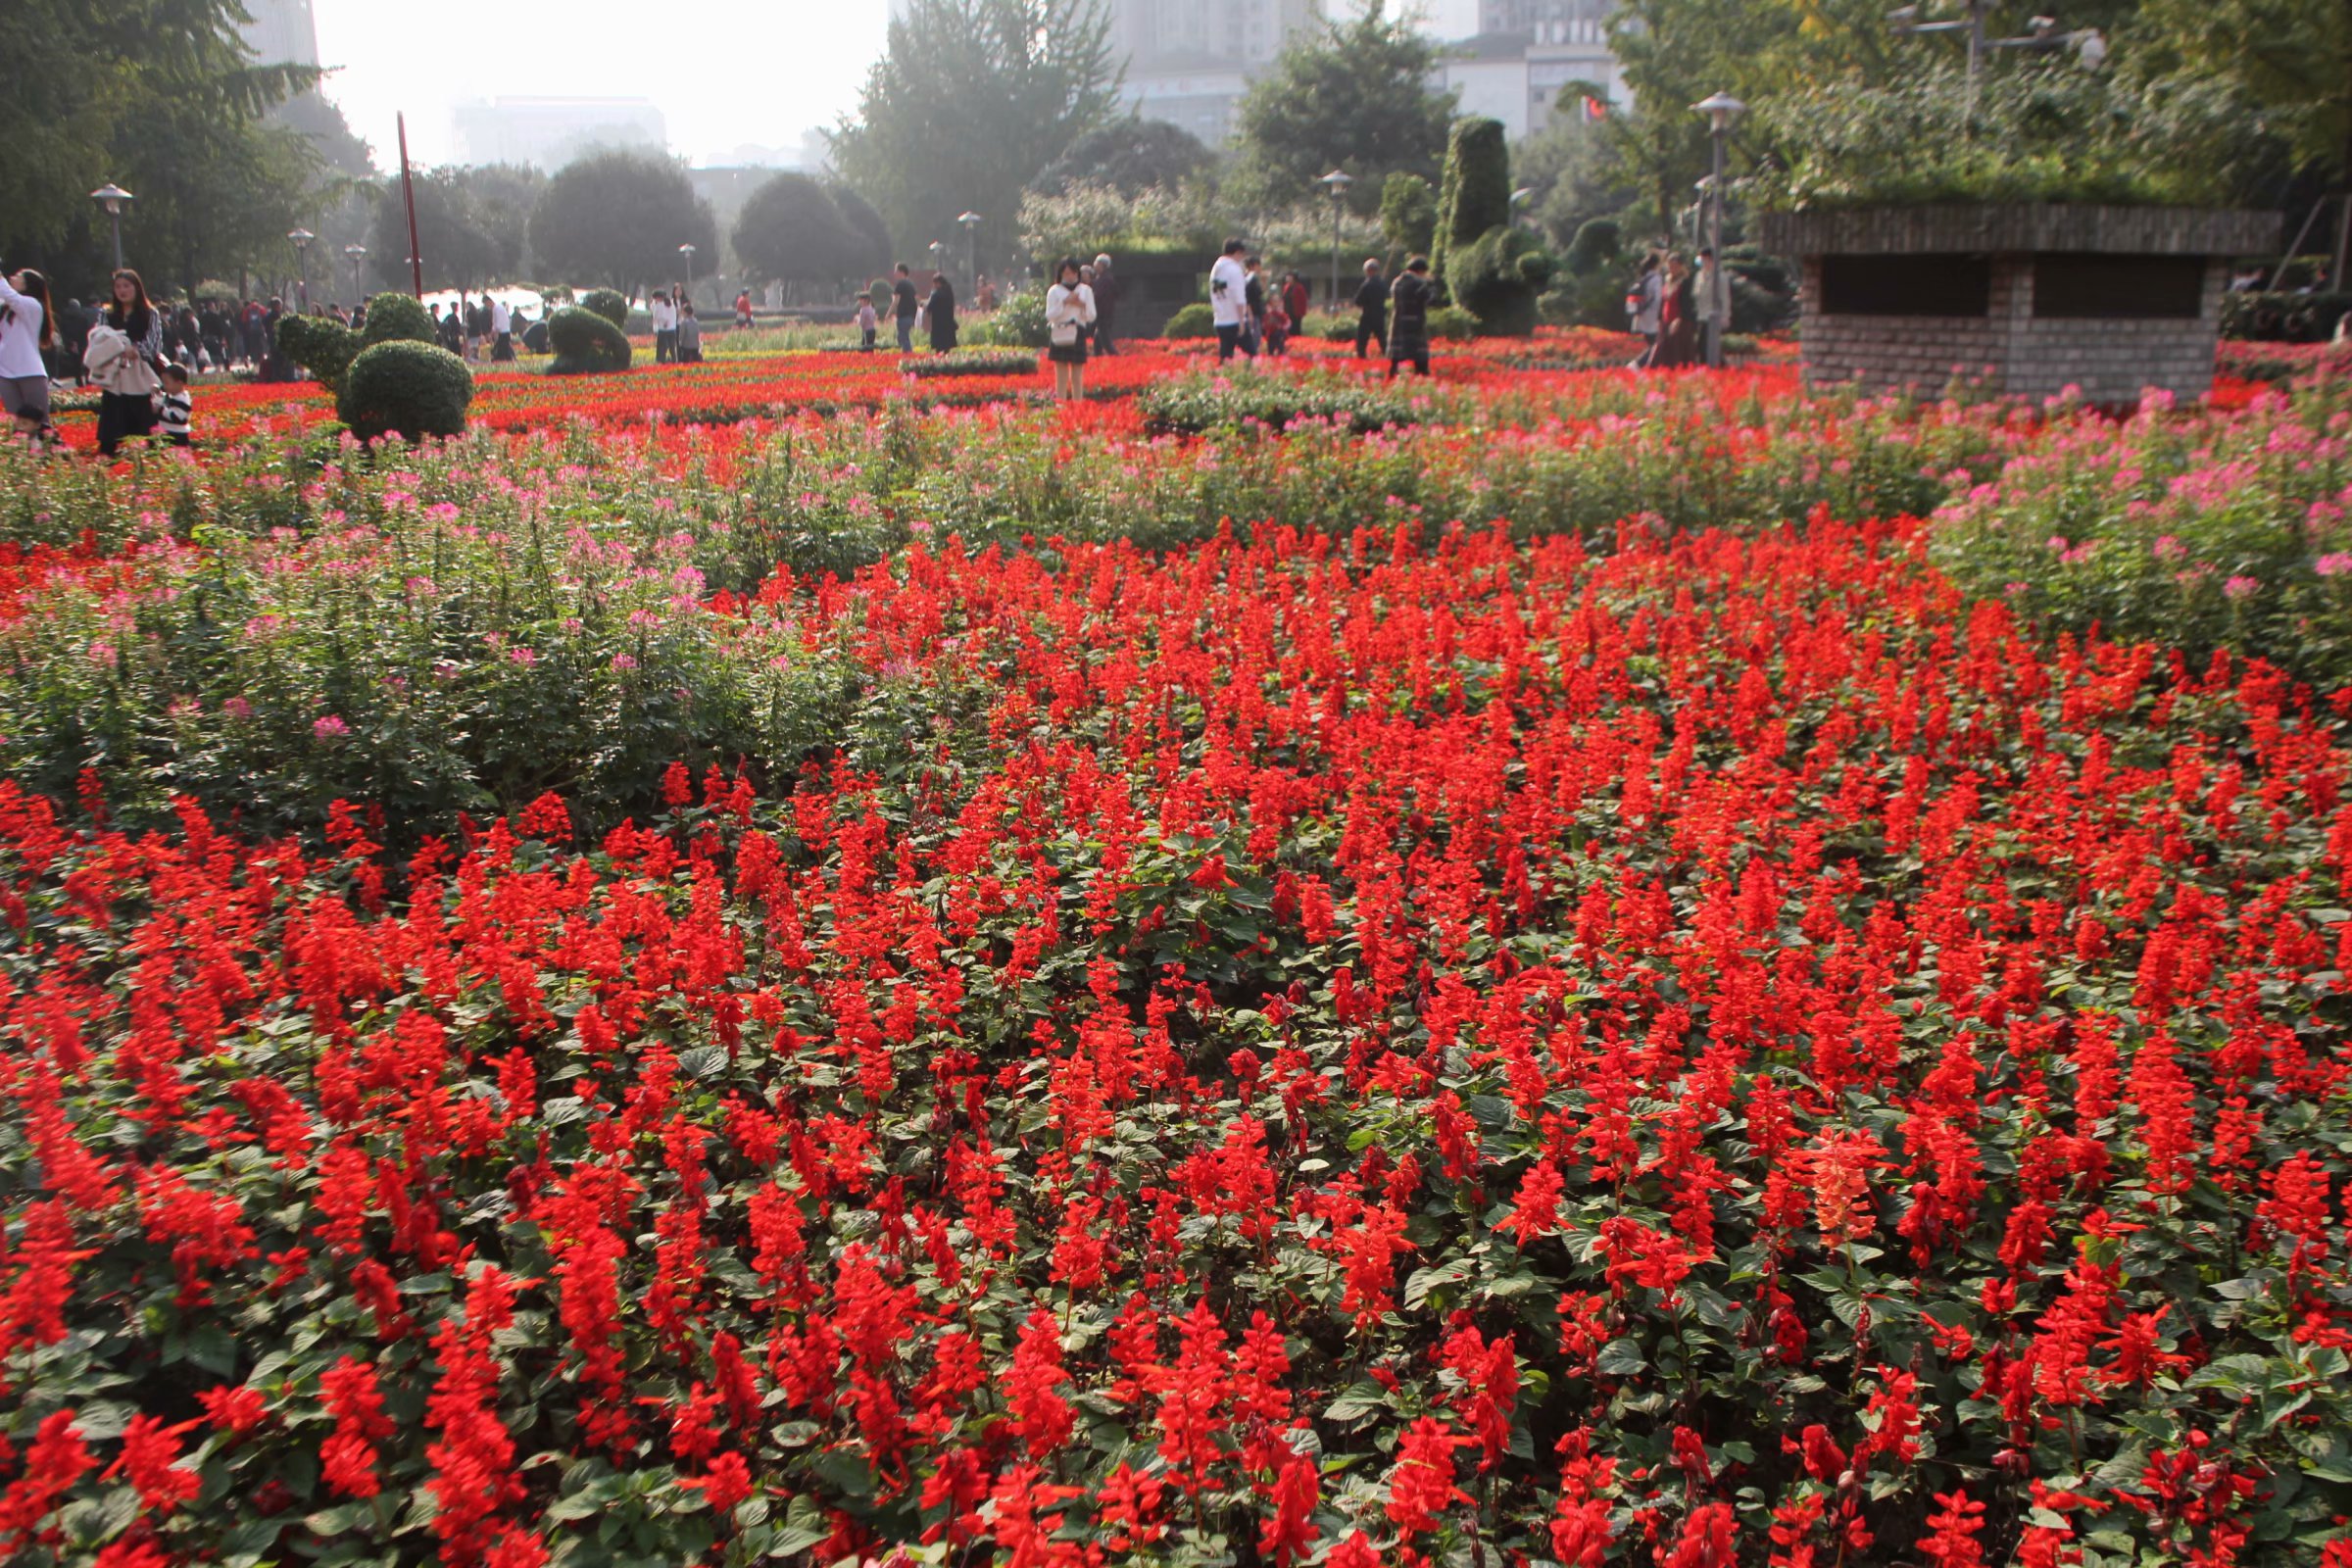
x: 1677, y: 320
x: 129, y: 312
x: 1070, y: 312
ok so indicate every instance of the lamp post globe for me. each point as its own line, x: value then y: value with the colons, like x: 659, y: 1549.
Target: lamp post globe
x: 686, y: 252
x: 113, y: 198
x: 1335, y: 185
x: 355, y: 254
x: 971, y: 237
x: 1722, y: 112
x: 302, y: 238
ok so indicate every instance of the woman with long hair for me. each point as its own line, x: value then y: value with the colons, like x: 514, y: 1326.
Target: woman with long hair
x: 1070, y: 312
x: 1677, y: 320
x: 127, y: 407
x: 27, y: 333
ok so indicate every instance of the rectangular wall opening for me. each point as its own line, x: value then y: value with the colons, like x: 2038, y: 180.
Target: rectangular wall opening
x: 1931, y: 284
x: 2084, y: 286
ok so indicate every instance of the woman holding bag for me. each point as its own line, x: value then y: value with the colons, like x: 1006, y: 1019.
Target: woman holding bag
x: 127, y: 378
x: 1070, y: 312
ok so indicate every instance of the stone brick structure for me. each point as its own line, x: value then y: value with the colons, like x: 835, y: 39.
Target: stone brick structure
x: 2022, y: 300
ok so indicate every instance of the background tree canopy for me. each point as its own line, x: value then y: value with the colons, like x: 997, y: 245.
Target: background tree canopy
x: 970, y: 101
x: 1355, y: 98
x: 1129, y: 155
x: 619, y: 218
x: 163, y: 100
x: 471, y: 226
x: 792, y: 227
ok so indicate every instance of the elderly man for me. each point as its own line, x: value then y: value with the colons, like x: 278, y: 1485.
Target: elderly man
x: 1106, y: 305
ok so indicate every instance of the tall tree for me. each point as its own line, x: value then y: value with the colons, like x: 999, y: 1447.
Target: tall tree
x: 1130, y: 154
x: 619, y: 218
x: 164, y: 101
x: 791, y: 229
x: 466, y: 242
x: 1356, y: 98
x: 970, y: 100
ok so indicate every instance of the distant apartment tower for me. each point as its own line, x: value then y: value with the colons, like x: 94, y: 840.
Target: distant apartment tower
x: 550, y: 132
x: 1189, y: 61
x: 1580, y: 21
x: 282, y: 33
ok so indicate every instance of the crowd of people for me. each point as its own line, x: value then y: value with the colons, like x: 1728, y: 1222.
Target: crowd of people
x: 133, y: 350
x: 1670, y: 304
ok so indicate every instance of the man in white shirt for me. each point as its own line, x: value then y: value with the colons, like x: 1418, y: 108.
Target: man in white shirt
x: 1228, y: 290
x: 501, y: 332
x: 666, y: 327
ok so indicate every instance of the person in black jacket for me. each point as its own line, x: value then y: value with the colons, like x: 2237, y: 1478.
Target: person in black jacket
x: 1408, y: 327
x: 1107, y: 306
x: 902, y: 307
x: 1253, y: 299
x: 939, y: 313
x: 1372, y: 309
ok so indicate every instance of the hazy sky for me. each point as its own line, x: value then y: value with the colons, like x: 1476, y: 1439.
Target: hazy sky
x: 725, y: 72
x: 722, y: 71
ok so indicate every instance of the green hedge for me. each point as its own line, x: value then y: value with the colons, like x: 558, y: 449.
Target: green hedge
x: 1193, y: 321
x: 321, y: 345
x: 609, y: 303
x: 585, y: 342
x: 398, y: 319
x: 408, y: 389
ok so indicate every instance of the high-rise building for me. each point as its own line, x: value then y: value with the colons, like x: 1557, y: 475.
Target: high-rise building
x: 282, y: 33
x: 1578, y: 22
x: 1189, y: 61
x: 550, y: 132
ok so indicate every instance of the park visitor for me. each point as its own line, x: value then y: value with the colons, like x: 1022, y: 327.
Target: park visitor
x: 127, y: 352
x: 743, y: 307
x: 1409, y: 323
x: 1106, y: 285
x: 1296, y: 300
x: 939, y: 313
x: 869, y: 325
x: 1070, y: 312
x: 1677, y: 329
x: 984, y: 294
x: 175, y: 407
x: 664, y: 310
x: 501, y: 332
x: 1227, y: 299
x: 1253, y: 301
x: 1708, y: 289
x: 453, y: 331
x: 26, y: 329
x: 1278, y: 324
x: 1641, y: 303
x: 1372, y: 309
x: 902, y: 307
x: 690, y: 335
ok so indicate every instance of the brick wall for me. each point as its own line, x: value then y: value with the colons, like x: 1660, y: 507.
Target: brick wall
x: 2008, y: 350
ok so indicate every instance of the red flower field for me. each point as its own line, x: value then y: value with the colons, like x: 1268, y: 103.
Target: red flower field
x: 1411, y: 1043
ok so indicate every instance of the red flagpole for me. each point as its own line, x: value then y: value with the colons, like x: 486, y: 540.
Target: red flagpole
x: 408, y: 194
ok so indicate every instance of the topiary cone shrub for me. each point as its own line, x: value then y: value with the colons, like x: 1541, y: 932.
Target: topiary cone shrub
x: 585, y: 342
x: 609, y: 303
x: 1490, y: 267
x: 398, y: 319
x: 320, y: 345
x: 415, y: 390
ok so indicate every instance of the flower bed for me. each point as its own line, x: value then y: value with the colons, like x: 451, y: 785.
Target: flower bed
x: 1582, y: 981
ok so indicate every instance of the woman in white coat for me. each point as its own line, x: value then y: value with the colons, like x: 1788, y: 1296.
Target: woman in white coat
x: 1070, y: 312
x: 26, y: 330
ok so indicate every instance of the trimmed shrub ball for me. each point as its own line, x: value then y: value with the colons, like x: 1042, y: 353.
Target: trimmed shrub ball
x: 398, y: 319
x: 409, y: 389
x: 1194, y: 320
x: 585, y: 343
x: 320, y: 345
x: 609, y: 303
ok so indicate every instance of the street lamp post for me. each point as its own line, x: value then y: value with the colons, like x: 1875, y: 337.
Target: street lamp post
x: 355, y: 254
x: 687, y: 251
x: 2042, y: 35
x: 302, y: 238
x: 1722, y: 110
x: 113, y: 198
x: 1334, y: 184
x: 971, y: 235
